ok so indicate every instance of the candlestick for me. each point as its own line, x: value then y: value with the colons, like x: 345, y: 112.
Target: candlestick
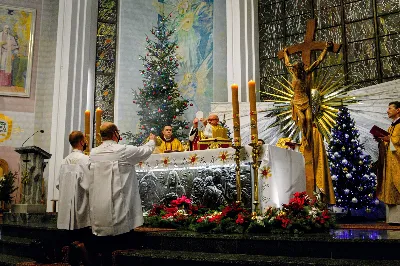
x: 236, y: 117
x: 254, y: 140
x: 253, y: 111
x: 99, y: 112
x: 236, y: 139
x: 87, y: 131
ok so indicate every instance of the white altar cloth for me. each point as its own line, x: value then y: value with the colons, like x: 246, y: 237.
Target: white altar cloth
x: 281, y: 172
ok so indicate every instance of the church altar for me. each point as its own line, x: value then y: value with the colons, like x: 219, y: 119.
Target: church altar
x: 208, y: 178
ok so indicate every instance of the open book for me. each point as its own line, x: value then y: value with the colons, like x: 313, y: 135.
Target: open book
x: 378, y: 132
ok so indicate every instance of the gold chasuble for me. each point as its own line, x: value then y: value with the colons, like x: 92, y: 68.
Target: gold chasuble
x: 170, y: 145
x: 323, y: 180
x: 219, y: 132
x: 211, y: 131
x: 388, y: 188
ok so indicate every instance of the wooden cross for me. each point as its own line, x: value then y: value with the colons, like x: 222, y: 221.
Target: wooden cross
x: 309, y: 45
x: 305, y: 49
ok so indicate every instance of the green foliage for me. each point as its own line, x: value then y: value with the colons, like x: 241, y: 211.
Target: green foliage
x: 301, y: 214
x: 159, y: 100
x: 7, y: 187
x: 353, y: 180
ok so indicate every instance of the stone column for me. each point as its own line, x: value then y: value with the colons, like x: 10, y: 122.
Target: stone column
x: 242, y: 46
x: 74, y: 79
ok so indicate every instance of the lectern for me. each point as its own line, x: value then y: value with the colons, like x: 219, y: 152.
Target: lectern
x: 32, y: 186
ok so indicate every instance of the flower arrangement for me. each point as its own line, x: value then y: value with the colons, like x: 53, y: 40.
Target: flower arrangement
x: 178, y: 213
x: 7, y: 187
x: 230, y: 219
x: 305, y: 214
x: 301, y: 214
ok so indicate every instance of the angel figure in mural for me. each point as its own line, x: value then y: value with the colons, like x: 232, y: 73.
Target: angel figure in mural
x: 301, y: 108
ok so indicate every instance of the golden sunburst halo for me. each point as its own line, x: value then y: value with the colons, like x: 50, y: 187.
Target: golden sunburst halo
x: 328, y: 94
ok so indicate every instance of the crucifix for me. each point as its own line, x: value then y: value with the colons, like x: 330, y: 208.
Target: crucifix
x: 301, y: 102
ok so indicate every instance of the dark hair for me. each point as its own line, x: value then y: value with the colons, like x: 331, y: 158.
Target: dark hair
x: 75, y: 137
x: 396, y: 104
x: 263, y: 142
x: 107, y: 130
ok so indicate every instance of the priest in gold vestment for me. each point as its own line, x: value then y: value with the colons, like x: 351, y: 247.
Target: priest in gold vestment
x: 211, y: 129
x: 168, y: 143
x: 388, y: 187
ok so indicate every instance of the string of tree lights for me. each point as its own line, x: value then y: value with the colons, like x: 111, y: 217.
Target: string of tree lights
x: 353, y: 180
x: 159, y: 100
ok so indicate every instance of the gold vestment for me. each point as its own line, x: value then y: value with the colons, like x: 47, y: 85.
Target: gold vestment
x: 171, y: 145
x: 322, y: 174
x: 388, y: 187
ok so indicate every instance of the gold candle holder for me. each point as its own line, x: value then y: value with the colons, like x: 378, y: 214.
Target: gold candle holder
x: 87, y: 132
x: 237, y: 146
x: 255, y: 166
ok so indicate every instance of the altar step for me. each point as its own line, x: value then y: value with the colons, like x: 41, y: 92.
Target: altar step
x: 149, y: 257
x: 29, y: 243
x: 19, y: 243
x: 9, y: 260
x: 181, y: 248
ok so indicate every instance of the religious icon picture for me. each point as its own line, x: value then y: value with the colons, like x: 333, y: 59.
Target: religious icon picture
x: 17, y: 27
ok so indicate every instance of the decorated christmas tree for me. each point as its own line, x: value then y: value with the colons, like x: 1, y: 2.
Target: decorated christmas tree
x: 354, y: 182
x: 159, y: 100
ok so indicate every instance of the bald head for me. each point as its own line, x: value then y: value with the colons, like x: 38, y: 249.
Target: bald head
x: 75, y: 138
x: 107, y: 130
x: 213, y: 119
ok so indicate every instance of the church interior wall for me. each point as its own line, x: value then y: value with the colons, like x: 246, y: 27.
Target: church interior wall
x: 136, y: 18
x: 34, y: 112
x: 196, y: 44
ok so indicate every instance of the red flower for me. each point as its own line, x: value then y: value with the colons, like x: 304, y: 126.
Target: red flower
x: 240, y: 219
x: 325, y: 214
x: 216, y: 219
x: 171, y: 210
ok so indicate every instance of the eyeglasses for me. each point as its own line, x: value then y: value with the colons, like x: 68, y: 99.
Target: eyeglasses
x: 212, y: 119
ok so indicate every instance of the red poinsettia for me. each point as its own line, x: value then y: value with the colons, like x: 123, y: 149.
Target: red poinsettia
x: 240, y: 219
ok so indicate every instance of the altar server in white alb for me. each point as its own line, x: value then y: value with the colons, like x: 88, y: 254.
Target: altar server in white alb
x: 73, y: 208
x: 115, y: 204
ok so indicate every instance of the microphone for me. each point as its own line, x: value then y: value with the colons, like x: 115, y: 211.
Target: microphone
x: 41, y: 131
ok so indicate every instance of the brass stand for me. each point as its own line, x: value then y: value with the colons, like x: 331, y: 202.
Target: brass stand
x: 87, y: 139
x: 255, y: 155
x: 98, y: 139
x: 238, y: 148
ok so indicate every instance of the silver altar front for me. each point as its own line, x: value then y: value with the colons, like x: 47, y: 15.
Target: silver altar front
x: 208, y: 177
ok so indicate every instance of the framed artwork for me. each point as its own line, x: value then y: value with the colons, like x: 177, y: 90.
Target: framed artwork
x: 17, y: 27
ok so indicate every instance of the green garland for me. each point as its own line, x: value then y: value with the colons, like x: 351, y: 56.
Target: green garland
x: 302, y: 214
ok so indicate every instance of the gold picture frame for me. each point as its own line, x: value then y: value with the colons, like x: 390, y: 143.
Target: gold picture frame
x: 17, y: 27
